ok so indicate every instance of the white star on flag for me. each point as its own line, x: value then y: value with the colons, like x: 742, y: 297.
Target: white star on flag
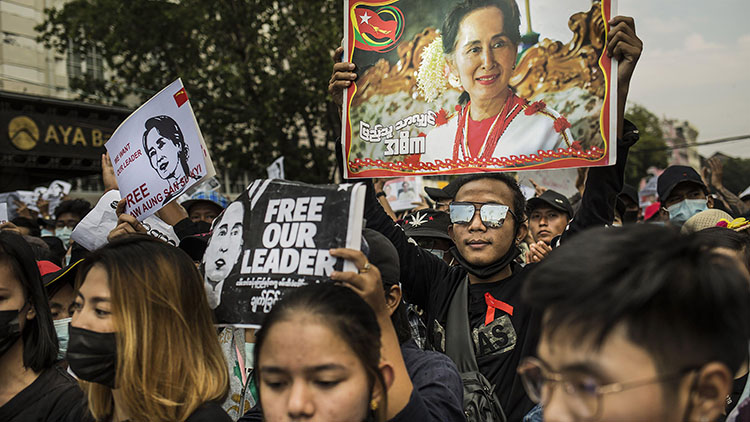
x: 344, y: 187
x: 365, y: 18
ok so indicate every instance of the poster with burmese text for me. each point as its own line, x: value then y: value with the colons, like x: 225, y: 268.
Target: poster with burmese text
x: 444, y: 87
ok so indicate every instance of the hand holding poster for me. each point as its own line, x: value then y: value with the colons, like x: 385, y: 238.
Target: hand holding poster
x: 446, y: 87
x: 92, y: 231
x: 158, y: 152
x: 275, y: 237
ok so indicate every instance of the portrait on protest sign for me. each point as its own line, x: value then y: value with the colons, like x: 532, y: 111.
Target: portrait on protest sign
x: 276, y: 236
x: 449, y: 87
x: 158, y: 152
x: 403, y: 193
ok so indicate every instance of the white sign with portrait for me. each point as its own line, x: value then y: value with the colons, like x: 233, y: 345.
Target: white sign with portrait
x: 158, y: 152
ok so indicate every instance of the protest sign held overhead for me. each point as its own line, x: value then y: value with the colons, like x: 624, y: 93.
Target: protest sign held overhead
x: 276, y: 169
x: 275, y: 237
x: 158, y: 152
x: 424, y: 102
x: 403, y: 193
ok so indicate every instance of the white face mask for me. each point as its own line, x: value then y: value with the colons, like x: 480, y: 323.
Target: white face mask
x: 61, y: 327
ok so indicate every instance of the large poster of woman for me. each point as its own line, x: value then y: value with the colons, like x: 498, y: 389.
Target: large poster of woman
x: 464, y: 86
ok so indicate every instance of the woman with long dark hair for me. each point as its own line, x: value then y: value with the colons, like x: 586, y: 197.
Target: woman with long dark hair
x: 32, y: 387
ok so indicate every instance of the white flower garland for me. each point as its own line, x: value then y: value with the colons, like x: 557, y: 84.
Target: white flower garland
x: 431, y: 79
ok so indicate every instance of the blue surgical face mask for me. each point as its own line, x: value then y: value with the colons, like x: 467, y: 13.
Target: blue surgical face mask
x: 680, y: 212
x: 47, y: 232
x: 61, y: 327
x: 63, y: 233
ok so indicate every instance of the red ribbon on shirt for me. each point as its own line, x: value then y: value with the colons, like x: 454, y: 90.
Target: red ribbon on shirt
x: 493, y: 304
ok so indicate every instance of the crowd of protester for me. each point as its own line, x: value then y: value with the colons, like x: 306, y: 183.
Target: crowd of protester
x: 483, y: 306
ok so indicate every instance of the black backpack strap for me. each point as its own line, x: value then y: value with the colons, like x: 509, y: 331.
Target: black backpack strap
x: 458, y: 343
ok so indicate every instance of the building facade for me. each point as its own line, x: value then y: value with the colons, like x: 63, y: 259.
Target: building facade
x: 44, y: 133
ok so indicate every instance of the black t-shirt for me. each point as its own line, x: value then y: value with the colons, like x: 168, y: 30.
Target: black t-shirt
x: 54, y: 396
x: 209, y: 412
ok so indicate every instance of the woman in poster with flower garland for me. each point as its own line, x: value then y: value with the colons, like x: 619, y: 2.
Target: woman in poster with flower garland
x: 477, y: 52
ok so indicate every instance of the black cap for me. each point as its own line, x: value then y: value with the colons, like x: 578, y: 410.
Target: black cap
x: 195, y: 245
x: 553, y: 199
x: 437, y: 194
x: 427, y: 223
x: 449, y: 192
x: 383, y: 255
x: 53, y: 275
x: 630, y: 192
x: 673, y: 176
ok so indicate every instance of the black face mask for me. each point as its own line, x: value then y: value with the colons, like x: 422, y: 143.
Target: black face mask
x: 630, y: 217
x: 92, y: 356
x: 487, y: 271
x: 10, y: 329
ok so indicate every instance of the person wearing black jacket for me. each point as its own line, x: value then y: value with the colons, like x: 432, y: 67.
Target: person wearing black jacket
x: 504, y: 329
x: 32, y: 387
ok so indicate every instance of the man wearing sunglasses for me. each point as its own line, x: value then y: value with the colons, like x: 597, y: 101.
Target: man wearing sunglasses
x: 654, y: 329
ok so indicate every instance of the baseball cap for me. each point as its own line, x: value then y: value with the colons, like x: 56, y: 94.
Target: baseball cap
x: 383, y: 255
x: 651, y: 210
x: 437, y: 194
x: 207, y: 196
x: 195, y: 245
x: 553, y: 199
x: 52, y: 274
x: 427, y: 223
x: 447, y: 192
x: 673, y: 176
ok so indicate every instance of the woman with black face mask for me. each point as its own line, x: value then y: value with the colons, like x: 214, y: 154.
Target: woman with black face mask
x: 32, y: 387
x: 142, y: 340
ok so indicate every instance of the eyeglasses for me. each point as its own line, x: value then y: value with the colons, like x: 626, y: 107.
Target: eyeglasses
x: 492, y: 215
x: 583, y: 394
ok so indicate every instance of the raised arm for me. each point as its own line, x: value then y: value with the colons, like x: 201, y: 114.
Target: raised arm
x: 603, y: 184
x: 714, y: 175
x: 419, y: 268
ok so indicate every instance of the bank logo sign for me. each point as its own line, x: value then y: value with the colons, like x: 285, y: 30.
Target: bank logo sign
x: 26, y: 134
x: 23, y: 133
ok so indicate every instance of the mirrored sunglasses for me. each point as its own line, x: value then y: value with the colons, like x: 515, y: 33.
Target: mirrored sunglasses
x: 492, y: 215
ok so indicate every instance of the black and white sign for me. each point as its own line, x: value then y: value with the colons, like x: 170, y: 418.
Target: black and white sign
x: 276, y: 236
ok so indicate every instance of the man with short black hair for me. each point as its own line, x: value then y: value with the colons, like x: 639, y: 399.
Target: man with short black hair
x: 653, y: 329
x: 549, y: 214
x: 67, y: 216
x: 682, y: 194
